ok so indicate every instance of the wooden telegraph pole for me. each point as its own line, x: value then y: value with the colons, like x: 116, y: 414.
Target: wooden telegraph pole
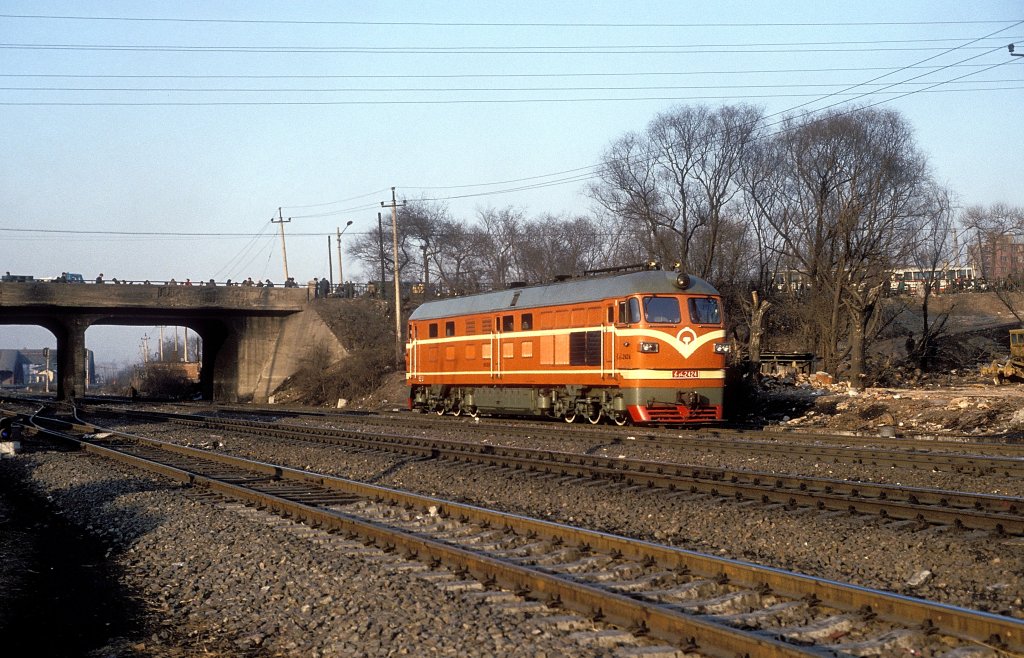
x: 398, y: 295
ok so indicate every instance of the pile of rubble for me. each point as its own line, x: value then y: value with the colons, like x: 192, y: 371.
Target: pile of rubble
x: 817, y: 402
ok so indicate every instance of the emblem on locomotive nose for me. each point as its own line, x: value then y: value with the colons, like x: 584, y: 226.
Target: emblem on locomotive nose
x: 686, y: 335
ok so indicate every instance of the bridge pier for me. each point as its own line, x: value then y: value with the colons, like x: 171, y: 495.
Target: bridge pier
x: 71, y: 358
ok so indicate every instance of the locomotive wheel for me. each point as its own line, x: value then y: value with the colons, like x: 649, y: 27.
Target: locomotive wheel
x: 570, y: 416
x: 620, y: 419
x: 439, y: 411
x: 457, y: 411
x: 473, y: 412
x: 595, y: 416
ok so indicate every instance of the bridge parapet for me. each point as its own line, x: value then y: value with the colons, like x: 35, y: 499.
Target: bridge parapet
x: 249, y: 300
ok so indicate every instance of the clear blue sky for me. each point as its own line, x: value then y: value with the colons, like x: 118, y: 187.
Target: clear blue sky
x: 207, y: 119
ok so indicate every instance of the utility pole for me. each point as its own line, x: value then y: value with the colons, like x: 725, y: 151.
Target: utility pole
x: 330, y: 265
x: 398, y: 297
x: 1010, y: 48
x: 380, y: 243
x: 426, y: 271
x: 145, y: 348
x: 341, y: 271
x: 284, y: 252
x: 161, y: 344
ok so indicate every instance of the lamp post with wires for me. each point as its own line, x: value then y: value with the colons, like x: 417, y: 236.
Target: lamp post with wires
x: 284, y: 252
x: 1010, y: 48
x: 341, y: 271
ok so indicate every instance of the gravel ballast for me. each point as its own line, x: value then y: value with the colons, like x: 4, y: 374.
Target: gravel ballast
x: 216, y: 578
x: 211, y: 577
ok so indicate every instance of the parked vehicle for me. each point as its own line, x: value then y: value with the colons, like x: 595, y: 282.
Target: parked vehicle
x: 1013, y: 367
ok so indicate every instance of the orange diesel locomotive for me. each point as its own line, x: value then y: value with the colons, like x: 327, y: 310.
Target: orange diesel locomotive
x: 644, y: 347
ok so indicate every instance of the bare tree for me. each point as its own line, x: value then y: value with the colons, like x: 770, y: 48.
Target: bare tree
x: 672, y: 183
x: 934, y: 252
x: 553, y: 245
x: 503, y: 229
x: 854, y: 183
x: 456, y: 258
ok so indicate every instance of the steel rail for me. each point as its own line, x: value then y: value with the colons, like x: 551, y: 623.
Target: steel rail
x: 626, y: 611
x: 1003, y: 514
x: 916, y: 444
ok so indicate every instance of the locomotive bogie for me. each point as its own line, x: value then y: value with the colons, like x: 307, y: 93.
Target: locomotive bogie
x: 645, y: 347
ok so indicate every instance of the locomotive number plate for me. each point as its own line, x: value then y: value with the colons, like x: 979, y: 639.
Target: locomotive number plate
x: 685, y: 374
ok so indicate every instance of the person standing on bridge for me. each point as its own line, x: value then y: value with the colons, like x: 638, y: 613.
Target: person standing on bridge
x: 99, y: 279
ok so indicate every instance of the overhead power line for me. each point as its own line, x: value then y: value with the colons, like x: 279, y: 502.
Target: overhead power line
x: 167, y: 234
x: 244, y: 21
x: 745, y: 48
x: 322, y: 90
x: 454, y: 76
x: 467, y: 101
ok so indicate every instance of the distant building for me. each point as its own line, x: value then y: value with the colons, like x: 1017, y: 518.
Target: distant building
x: 14, y: 368
x: 1001, y: 258
x: 31, y: 368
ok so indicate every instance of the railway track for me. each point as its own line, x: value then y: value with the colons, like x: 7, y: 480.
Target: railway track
x: 928, y: 454
x: 695, y: 602
x: 957, y: 454
x: 1001, y: 514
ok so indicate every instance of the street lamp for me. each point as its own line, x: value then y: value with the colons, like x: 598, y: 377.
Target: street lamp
x: 341, y: 275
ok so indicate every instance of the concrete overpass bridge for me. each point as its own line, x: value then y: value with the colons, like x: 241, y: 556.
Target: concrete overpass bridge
x: 253, y: 338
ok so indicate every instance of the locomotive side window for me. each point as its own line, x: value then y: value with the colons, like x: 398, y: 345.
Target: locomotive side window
x: 704, y: 310
x: 449, y: 328
x: 662, y: 309
x: 432, y: 330
x: 634, y: 310
x: 507, y: 323
x: 526, y: 322
x: 623, y: 317
x: 611, y: 315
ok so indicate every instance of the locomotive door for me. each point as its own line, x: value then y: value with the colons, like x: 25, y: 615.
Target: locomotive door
x: 412, y: 354
x: 608, y: 344
x: 495, y: 348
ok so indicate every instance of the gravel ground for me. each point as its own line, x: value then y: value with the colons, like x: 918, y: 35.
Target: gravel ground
x: 218, y: 579
x: 213, y: 578
x: 628, y: 446
x: 971, y: 569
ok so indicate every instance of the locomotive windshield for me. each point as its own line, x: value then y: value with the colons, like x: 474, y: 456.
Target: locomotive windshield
x: 704, y: 310
x: 661, y: 309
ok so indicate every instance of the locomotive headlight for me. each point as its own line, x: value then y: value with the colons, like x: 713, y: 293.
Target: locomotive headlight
x: 722, y: 348
x: 648, y: 348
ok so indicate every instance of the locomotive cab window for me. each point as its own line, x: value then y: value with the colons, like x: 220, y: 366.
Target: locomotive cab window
x: 449, y: 328
x: 507, y: 323
x: 662, y: 310
x: 634, y: 310
x: 432, y: 330
x: 526, y: 322
x: 704, y: 310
